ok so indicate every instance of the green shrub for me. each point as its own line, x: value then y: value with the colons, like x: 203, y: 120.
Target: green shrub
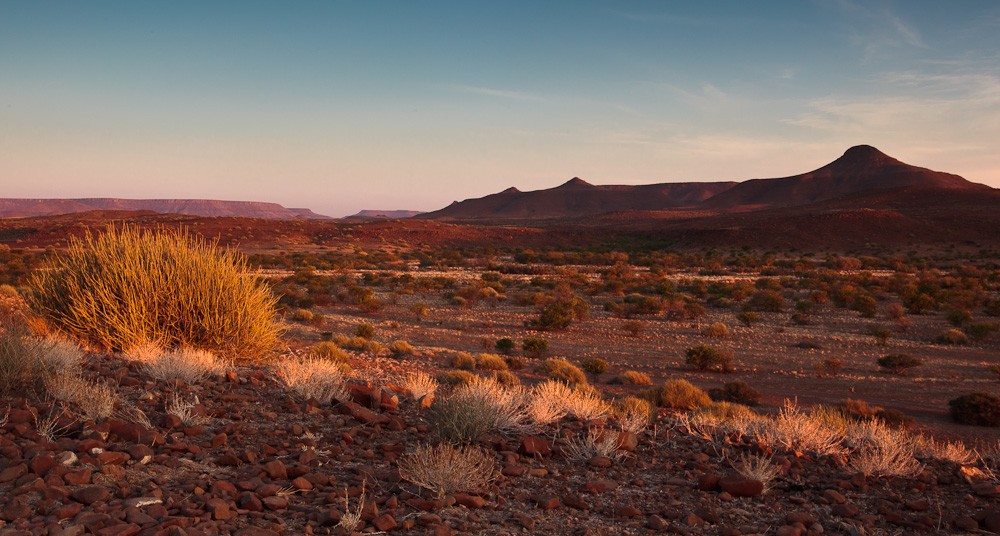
x: 302, y: 315
x: 562, y: 313
x: 455, y: 378
x: 514, y: 362
x: 899, y: 363
x: 504, y: 345
x: 400, y: 348
x: 952, y: 336
x: 631, y: 377
x: 633, y: 327
x: 490, y: 362
x: 958, y: 317
x: 881, y: 334
x: 364, y: 330
x: 830, y: 365
x: 632, y: 405
x: 562, y: 370
x: 462, y: 419
x: 770, y: 301
x: 594, y: 366
x: 717, y: 330
x: 979, y: 409
x: 737, y: 392
x: 703, y: 357
x: 129, y: 287
x: 535, y: 346
x: 462, y: 361
x: 676, y: 394
x: 981, y: 330
x: 419, y: 309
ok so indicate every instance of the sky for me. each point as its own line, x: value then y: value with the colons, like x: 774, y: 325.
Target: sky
x: 342, y: 106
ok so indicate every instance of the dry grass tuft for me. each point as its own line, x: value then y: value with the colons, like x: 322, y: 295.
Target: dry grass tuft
x: 419, y: 384
x: 96, y: 400
x: 127, y: 287
x: 187, y: 364
x: 446, y: 469
x: 183, y: 410
x: 757, y: 468
x: 594, y: 443
x: 313, y: 378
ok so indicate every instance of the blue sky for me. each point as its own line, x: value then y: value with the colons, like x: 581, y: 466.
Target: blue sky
x: 340, y: 106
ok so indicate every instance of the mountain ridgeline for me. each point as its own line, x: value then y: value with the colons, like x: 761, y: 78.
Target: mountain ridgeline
x: 19, y: 208
x: 861, y: 169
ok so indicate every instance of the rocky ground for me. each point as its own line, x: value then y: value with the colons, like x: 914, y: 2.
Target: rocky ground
x: 262, y: 462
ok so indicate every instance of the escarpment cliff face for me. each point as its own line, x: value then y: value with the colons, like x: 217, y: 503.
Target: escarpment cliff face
x: 195, y: 207
x: 861, y: 169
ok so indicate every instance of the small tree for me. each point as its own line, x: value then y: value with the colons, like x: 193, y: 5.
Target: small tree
x: 504, y: 345
x: 749, y: 318
x: 979, y: 409
x: 594, y: 366
x: 364, y: 330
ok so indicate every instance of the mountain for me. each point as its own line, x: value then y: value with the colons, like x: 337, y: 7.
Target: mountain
x: 389, y: 214
x: 195, y: 207
x: 861, y: 168
x: 577, y: 198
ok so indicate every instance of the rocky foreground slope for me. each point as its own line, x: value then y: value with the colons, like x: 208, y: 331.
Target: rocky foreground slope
x: 250, y: 459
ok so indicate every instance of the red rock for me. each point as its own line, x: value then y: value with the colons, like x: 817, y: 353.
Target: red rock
x: 76, y: 478
x: 788, y: 530
x: 991, y: 521
x: 302, y: 484
x: 425, y: 401
x: 708, y: 482
x: 599, y: 462
x: 20, y: 416
x: 513, y: 469
x: 738, y: 486
x: 42, y: 464
x: 987, y: 489
x: 575, y: 501
x: 219, y: 509
x: 110, y: 457
x: 965, y: 523
x: 428, y: 519
x: 600, y: 486
x: 16, y: 510
x: 219, y: 440
x: 920, y: 505
x: 141, y: 454
x: 799, y: 517
x: 13, y: 472
x: 173, y: 422
x: 90, y: 494
x: 384, y: 522
x: 358, y: 412
x: 834, y: 496
x: 692, y: 520
x: 127, y: 432
x: 629, y: 511
x: 547, y: 502
x: 469, y: 501
x: 255, y: 531
x: 276, y: 470
x: 844, y: 510
x: 228, y: 460
x: 275, y: 502
x: 657, y: 523
x: 535, y: 446
x: 67, y: 510
x: 249, y: 501
x: 122, y: 529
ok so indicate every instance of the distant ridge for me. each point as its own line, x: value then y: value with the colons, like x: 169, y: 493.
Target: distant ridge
x: 19, y: 208
x: 862, y: 168
x: 387, y: 214
x: 577, y: 197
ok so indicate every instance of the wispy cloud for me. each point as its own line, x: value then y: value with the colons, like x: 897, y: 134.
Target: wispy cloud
x: 500, y: 93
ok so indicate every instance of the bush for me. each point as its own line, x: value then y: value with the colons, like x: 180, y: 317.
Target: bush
x: 506, y: 378
x: 881, y: 334
x: 717, y: 330
x: 981, y: 330
x: 676, y: 394
x: 462, y: 361
x: 562, y: 370
x: 514, y: 362
x: 633, y: 327
x: 958, y: 317
x: 631, y: 377
x: 830, y: 365
x: 490, y: 362
x: 749, y: 318
x: 899, y: 363
x: 625, y: 407
x: 188, y: 364
x: 594, y: 366
x: 329, y: 351
x: 769, y: 301
x: 978, y: 409
x: 21, y: 362
x: 364, y: 330
x: 445, y: 469
x: 723, y: 411
x: 504, y: 345
x: 951, y: 336
x: 129, y: 287
x: 562, y: 313
x: 399, y: 349
x: 456, y: 378
x: 419, y: 309
x: 738, y: 392
x: 302, y: 315
x: 703, y: 357
x: 313, y: 379
x: 535, y: 346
